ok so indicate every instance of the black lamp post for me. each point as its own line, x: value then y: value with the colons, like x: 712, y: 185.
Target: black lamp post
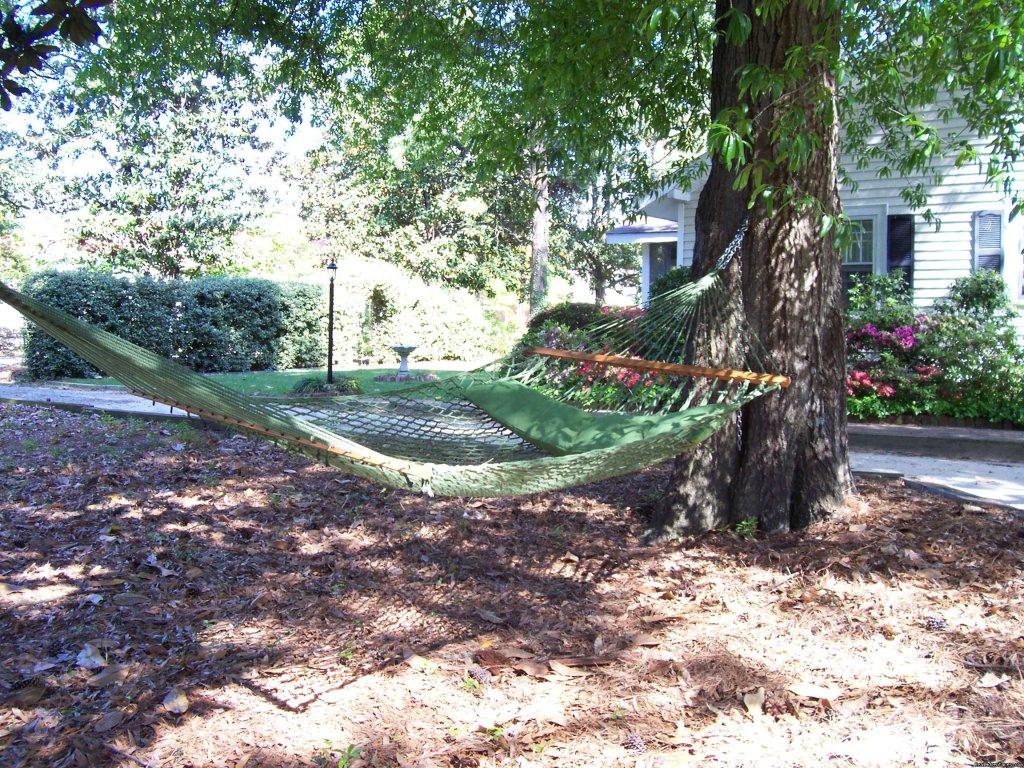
x: 332, y: 267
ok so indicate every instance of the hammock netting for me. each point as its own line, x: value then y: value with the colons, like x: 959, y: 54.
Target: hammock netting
x: 508, y: 428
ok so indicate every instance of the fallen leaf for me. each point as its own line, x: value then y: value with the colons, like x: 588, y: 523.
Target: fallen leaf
x: 680, y: 738
x: 531, y: 667
x: 113, y: 674
x: 645, y: 640
x: 103, y: 643
x: 493, y: 618
x: 515, y: 653
x: 175, y: 702
x: 90, y: 657
x: 543, y: 711
x: 491, y: 659
x: 109, y: 721
x: 26, y: 697
x: 754, y: 702
x: 420, y: 664
x: 992, y: 680
x: 813, y: 691
x: 565, y: 669
x: 586, y: 661
x: 129, y: 598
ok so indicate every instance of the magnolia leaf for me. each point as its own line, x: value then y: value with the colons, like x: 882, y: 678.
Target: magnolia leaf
x: 531, y: 668
x: 109, y: 721
x: 90, y: 657
x: 175, y: 702
x: 26, y: 697
x: 493, y: 618
x: 565, y: 669
x: 112, y: 675
x: 129, y: 598
x: 754, y: 702
x: 813, y: 691
x: 515, y: 653
x: 421, y: 664
x: 992, y: 680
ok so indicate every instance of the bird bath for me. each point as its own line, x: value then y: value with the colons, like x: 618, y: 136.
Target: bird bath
x: 403, y: 351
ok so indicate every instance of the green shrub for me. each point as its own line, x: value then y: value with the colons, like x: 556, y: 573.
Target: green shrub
x: 315, y: 385
x: 142, y: 311
x: 977, y: 352
x: 382, y: 306
x: 674, y: 278
x: 303, y: 343
x: 210, y: 324
x: 573, y: 316
x: 962, y: 359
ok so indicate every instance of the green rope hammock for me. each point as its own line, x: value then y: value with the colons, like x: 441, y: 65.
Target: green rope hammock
x: 506, y: 429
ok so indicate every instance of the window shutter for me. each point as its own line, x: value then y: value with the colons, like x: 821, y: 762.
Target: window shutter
x: 899, y: 252
x: 988, y: 241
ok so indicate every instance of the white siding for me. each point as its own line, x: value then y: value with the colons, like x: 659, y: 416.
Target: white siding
x: 943, y: 249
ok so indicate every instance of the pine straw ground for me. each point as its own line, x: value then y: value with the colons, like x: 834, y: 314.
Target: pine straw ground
x: 306, y: 618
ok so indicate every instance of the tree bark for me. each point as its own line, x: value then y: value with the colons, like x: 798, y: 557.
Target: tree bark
x: 784, y: 459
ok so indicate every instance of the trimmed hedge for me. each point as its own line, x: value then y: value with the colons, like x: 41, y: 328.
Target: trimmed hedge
x: 209, y: 324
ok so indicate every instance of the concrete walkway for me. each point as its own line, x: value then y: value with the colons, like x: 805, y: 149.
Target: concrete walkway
x: 984, y: 465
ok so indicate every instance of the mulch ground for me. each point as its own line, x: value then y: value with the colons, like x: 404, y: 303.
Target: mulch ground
x: 171, y: 596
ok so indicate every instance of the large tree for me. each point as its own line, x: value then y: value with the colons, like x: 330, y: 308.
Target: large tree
x: 580, y: 80
x: 168, y: 189
x: 427, y: 212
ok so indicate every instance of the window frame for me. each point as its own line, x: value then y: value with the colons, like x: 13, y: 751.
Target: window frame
x: 879, y: 216
x: 672, y: 259
x: 975, y: 255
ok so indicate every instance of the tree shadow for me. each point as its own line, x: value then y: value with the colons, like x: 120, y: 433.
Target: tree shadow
x: 208, y: 563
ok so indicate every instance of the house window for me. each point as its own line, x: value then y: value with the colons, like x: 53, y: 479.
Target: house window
x: 879, y: 244
x: 899, y: 246
x: 859, y: 258
x: 988, y: 241
x: 662, y: 259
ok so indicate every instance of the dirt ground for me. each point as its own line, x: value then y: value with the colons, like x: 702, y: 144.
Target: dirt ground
x: 171, y: 596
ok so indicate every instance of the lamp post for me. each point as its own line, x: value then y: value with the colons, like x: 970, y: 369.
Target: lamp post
x: 332, y: 269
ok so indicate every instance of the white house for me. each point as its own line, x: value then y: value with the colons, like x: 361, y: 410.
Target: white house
x: 974, y: 230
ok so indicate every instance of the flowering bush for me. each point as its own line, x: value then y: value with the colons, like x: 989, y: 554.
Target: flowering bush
x: 961, y: 359
x: 596, y: 385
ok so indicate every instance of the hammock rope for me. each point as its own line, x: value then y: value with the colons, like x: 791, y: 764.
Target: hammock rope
x: 509, y: 428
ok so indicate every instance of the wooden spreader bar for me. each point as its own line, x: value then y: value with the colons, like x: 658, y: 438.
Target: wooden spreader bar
x: 370, y: 458
x: 726, y: 374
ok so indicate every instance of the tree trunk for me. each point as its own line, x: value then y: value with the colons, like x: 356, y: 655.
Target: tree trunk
x: 539, y: 236
x: 600, y: 281
x: 784, y: 459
